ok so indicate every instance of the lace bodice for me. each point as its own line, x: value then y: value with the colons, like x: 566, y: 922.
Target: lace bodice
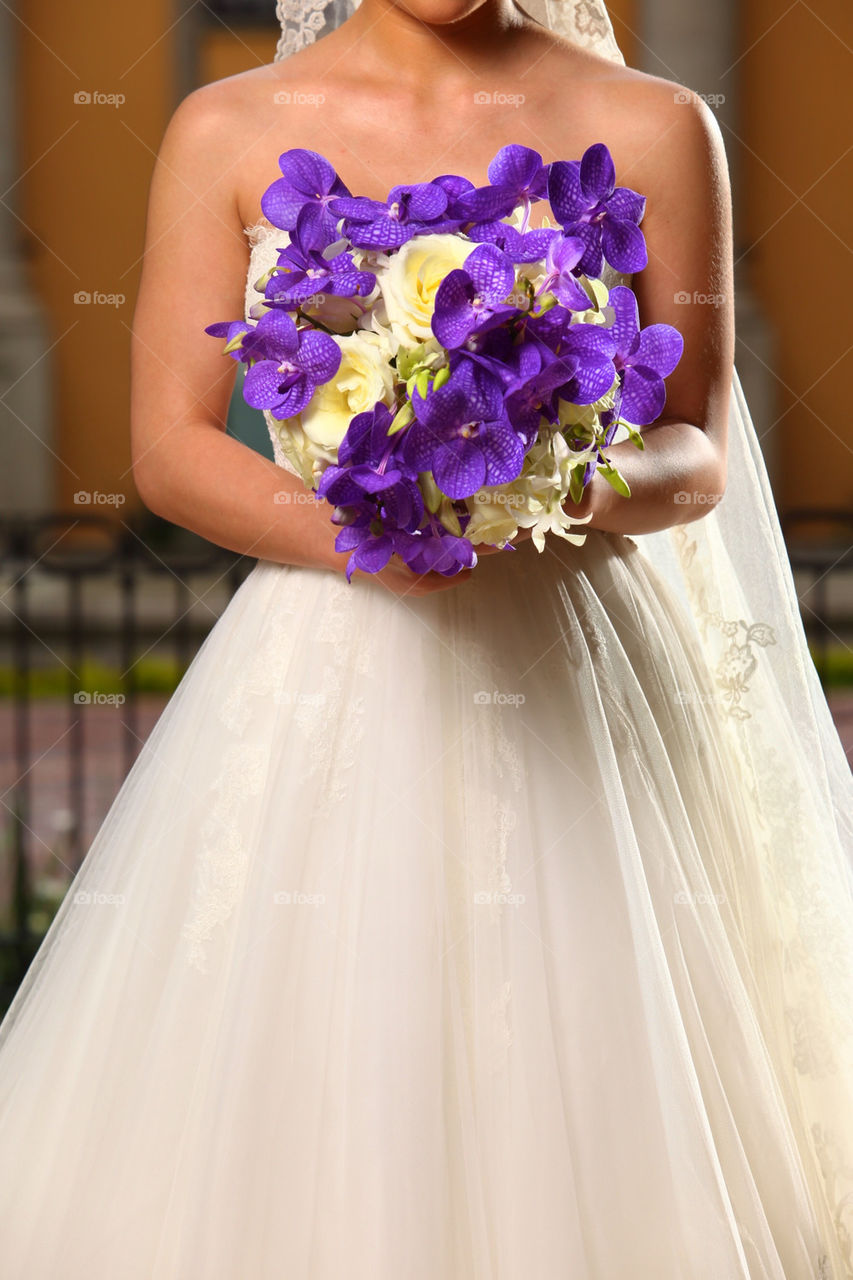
x: 265, y: 241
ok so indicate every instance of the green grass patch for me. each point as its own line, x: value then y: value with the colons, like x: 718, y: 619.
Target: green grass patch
x: 837, y: 666
x: 150, y: 674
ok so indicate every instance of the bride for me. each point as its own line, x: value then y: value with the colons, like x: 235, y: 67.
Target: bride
x: 455, y: 928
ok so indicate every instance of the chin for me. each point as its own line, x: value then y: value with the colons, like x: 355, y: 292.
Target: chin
x: 439, y: 13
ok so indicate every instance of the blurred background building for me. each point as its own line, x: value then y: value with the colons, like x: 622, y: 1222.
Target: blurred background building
x: 104, y: 605
x: 76, y: 174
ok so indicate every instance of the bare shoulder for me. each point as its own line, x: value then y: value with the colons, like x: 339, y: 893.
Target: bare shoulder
x: 219, y: 112
x: 207, y: 133
x: 222, y: 134
x: 661, y: 128
x: 668, y: 117
x: 672, y: 147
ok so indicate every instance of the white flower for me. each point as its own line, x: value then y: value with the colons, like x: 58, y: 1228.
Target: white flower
x: 410, y: 282
x: 365, y: 376
x: 533, y: 501
x: 492, y: 516
x: 309, y: 458
x: 341, y: 315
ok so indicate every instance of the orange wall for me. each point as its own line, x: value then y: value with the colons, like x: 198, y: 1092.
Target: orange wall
x: 797, y: 124
x: 82, y: 202
x: 87, y: 169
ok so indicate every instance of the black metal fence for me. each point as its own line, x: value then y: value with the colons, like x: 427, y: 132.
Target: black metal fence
x: 820, y: 548
x: 98, y: 616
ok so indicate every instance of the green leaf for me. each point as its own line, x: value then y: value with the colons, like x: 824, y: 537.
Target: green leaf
x: 433, y: 496
x: 449, y: 518
x: 633, y: 435
x: 234, y: 345
x: 616, y: 480
x: 576, y: 485
x: 402, y: 418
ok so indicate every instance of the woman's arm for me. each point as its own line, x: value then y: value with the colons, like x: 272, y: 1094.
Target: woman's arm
x: 186, y: 468
x: 688, y: 283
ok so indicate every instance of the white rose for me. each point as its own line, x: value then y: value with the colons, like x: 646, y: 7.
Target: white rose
x: 364, y: 377
x: 410, y: 282
x: 309, y: 459
x: 492, y: 520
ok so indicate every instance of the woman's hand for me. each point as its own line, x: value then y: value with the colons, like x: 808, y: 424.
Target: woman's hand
x: 403, y: 581
x: 486, y: 549
x: 400, y: 579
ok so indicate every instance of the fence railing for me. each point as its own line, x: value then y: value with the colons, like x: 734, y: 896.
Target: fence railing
x: 820, y: 548
x: 99, y: 621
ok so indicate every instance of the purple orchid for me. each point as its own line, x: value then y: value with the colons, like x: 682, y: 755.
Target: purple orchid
x: 231, y: 329
x: 409, y: 211
x: 516, y: 176
x: 435, y: 550
x: 562, y: 258
x: 374, y: 485
x: 587, y: 203
x: 461, y: 434
x: 581, y: 370
x: 643, y: 357
x: 512, y: 358
x: 519, y: 246
x: 307, y: 271
x: 473, y: 296
x: 289, y: 364
x: 375, y: 489
x: 308, y: 181
x: 365, y: 537
x: 370, y: 463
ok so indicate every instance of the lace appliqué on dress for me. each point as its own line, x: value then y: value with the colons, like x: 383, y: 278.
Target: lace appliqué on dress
x: 837, y: 1174
x: 333, y: 721
x: 223, y: 861
x: 480, y: 879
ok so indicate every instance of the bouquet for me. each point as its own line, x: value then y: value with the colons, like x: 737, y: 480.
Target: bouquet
x: 441, y: 373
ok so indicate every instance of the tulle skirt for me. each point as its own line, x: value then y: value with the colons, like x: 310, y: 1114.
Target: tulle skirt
x: 429, y: 937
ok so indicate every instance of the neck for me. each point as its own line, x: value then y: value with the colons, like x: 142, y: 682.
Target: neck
x: 436, y: 39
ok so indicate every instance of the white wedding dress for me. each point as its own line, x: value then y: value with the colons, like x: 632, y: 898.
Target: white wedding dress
x: 433, y: 938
